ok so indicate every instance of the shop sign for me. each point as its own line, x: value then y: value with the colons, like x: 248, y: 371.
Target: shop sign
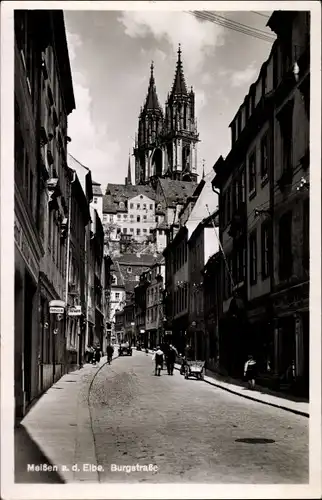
x: 75, y: 311
x: 25, y: 249
x: 56, y: 307
x: 168, y: 332
x: 56, y: 310
x: 142, y: 331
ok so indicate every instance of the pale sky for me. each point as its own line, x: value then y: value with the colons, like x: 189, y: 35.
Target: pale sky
x: 111, y: 54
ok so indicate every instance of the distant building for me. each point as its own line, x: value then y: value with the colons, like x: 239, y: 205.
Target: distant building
x: 154, y: 318
x: 97, y: 202
x: 166, y: 142
x: 186, y: 217
x: 202, y: 244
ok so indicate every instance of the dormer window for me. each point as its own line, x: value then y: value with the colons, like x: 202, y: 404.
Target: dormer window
x: 159, y: 206
x: 113, y: 280
x: 121, y: 205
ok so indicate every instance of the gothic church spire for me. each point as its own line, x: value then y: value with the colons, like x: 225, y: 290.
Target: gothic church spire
x: 179, y: 85
x: 152, y: 101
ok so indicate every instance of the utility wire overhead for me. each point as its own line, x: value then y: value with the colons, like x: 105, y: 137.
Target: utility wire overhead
x: 233, y: 25
x: 260, y: 14
x: 237, y: 23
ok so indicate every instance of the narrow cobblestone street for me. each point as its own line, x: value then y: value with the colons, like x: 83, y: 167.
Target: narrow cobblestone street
x: 191, y: 431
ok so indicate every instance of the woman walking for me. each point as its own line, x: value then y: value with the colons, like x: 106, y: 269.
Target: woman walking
x: 250, y: 371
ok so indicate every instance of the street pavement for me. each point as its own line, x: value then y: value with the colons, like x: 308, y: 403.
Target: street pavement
x: 182, y: 430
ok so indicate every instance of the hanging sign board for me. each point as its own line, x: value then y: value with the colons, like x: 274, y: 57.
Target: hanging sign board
x: 168, y: 332
x: 56, y: 307
x: 75, y: 311
x: 56, y: 310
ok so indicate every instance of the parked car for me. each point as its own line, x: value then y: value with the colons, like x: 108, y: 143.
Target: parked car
x: 125, y: 350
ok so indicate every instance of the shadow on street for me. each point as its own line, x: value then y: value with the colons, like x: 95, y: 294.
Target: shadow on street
x: 28, y: 452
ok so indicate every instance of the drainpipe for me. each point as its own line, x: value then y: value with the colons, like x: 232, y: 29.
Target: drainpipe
x: 271, y: 247
x: 67, y: 256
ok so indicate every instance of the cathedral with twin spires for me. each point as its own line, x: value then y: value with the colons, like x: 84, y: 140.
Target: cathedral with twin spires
x: 166, y: 142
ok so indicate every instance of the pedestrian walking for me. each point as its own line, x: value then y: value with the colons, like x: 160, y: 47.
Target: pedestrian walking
x: 97, y: 354
x: 109, y: 352
x: 250, y: 371
x: 88, y: 354
x: 171, y: 356
x: 158, y: 359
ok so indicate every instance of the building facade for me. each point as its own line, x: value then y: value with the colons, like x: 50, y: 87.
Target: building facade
x: 76, y: 297
x: 202, y: 244
x: 43, y: 99
x: 264, y: 209
x: 154, y: 324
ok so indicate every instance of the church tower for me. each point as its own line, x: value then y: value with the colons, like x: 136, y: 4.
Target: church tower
x: 148, y: 156
x: 180, y: 135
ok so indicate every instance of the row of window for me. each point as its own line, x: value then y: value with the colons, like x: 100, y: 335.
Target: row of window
x: 180, y: 256
x: 138, y: 230
x: 235, y: 193
x: 236, y: 262
x: 152, y: 314
x: 180, y: 300
x: 138, y: 206
x: 138, y: 218
x: 153, y: 295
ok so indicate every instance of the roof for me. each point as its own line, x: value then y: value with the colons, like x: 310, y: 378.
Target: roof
x: 115, y: 193
x: 179, y: 84
x: 132, y: 259
x: 108, y: 204
x: 152, y: 101
x: 97, y: 191
x: 176, y: 191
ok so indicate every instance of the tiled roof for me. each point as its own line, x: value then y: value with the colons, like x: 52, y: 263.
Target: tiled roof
x: 176, y: 191
x: 132, y: 259
x: 97, y: 189
x: 121, y: 192
x: 108, y: 204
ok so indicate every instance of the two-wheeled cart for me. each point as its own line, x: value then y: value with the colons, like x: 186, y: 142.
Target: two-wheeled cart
x: 194, y: 369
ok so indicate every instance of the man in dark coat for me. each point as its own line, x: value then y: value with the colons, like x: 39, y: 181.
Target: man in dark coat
x: 171, y: 356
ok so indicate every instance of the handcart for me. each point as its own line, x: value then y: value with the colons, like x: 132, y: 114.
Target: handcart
x: 194, y: 369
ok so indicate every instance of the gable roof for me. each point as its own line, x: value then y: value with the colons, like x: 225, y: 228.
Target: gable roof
x: 176, y: 191
x: 132, y: 259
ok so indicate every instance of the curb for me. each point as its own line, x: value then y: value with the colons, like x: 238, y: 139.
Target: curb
x: 246, y: 396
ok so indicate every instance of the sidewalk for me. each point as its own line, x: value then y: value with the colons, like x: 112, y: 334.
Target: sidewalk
x: 57, y: 430
x: 268, y: 397
x: 264, y: 396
